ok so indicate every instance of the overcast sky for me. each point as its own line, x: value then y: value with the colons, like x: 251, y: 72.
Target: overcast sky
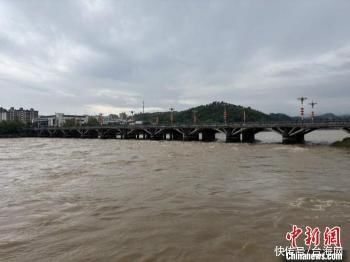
x: 97, y: 56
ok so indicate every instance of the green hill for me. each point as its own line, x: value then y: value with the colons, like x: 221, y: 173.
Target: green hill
x: 212, y: 113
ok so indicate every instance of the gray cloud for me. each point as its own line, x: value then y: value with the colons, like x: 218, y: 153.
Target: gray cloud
x: 107, y: 56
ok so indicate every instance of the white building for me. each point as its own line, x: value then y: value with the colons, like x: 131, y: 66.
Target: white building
x: 60, y: 119
x: 112, y: 120
x: 3, y: 114
x: 77, y: 120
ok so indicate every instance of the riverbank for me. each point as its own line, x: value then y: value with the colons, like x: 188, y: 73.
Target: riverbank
x: 344, y: 143
x: 13, y: 135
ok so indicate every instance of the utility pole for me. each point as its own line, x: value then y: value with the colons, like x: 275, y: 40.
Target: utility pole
x: 302, y: 99
x: 194, y: 116
x: 171, y: 115
x: 244, y: 115
x: 132, y: 115
x: 312, y: 112
x: 225, y: 114
x: 143, y: 107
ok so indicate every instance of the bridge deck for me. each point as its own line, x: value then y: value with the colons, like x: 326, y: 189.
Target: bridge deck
x: 291, y: 132
x: 318, y: 125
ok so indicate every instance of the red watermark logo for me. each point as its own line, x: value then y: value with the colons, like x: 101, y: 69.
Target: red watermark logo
x: 312, y: 239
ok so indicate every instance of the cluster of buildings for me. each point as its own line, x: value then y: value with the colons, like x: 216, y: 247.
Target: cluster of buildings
x: 32, y: 117
x: 23, y: 115
x: 60, y: 119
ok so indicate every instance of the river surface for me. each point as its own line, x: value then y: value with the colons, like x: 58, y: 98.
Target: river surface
x: 113, y: 200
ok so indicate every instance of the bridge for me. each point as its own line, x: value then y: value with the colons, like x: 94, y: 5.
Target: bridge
x: 291, y: 132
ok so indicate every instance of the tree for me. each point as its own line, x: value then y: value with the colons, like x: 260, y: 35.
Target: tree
x: 10, y: 127
x: 69, y: 122
x: 92, y: 121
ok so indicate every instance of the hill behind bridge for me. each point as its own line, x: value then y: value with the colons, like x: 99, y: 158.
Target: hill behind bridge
x: 212, y: 113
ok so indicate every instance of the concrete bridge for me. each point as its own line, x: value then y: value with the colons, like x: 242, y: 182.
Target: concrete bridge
x: 291, y: 132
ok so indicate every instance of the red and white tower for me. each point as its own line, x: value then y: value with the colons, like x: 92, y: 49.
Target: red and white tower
x: 225, y: 115
x: 302, y: 99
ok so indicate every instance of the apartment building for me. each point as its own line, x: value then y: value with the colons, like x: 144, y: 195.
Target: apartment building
x: 23, y: 115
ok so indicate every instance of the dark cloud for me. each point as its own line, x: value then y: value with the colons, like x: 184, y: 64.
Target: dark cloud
x: 106, y: 56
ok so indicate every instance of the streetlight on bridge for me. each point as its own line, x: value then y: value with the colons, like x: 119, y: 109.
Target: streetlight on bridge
x: 171, y: 115
x: 302, y: 99
x: 312, y: 112
x: 244, y: 115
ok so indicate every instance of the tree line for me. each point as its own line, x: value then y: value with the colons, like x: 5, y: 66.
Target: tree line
x: 11, y: 127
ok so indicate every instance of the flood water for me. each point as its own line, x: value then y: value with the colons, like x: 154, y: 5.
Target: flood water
x: 115, y: 200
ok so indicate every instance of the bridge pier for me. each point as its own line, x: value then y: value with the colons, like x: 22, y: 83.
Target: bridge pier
x: 293, y: 135
x: 146, y: 135
x: 90, y: 134
x: 248, y: 136
x: 157, y: 137
x: 233, y: 138
x: 191, y: 137
x: 110, y: 134
x: 102, y: 134
x: 296, y: 139
x: 51, y: 133
x: 208, y: 135
x: 73, y: 134
x: 43, y: 134
x: 124, y: 134
x: 57, y: 134
x: 130, y: 136
x: 177, y: 136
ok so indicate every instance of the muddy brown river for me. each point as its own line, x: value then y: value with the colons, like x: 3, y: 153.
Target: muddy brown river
x: 113, y: 200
